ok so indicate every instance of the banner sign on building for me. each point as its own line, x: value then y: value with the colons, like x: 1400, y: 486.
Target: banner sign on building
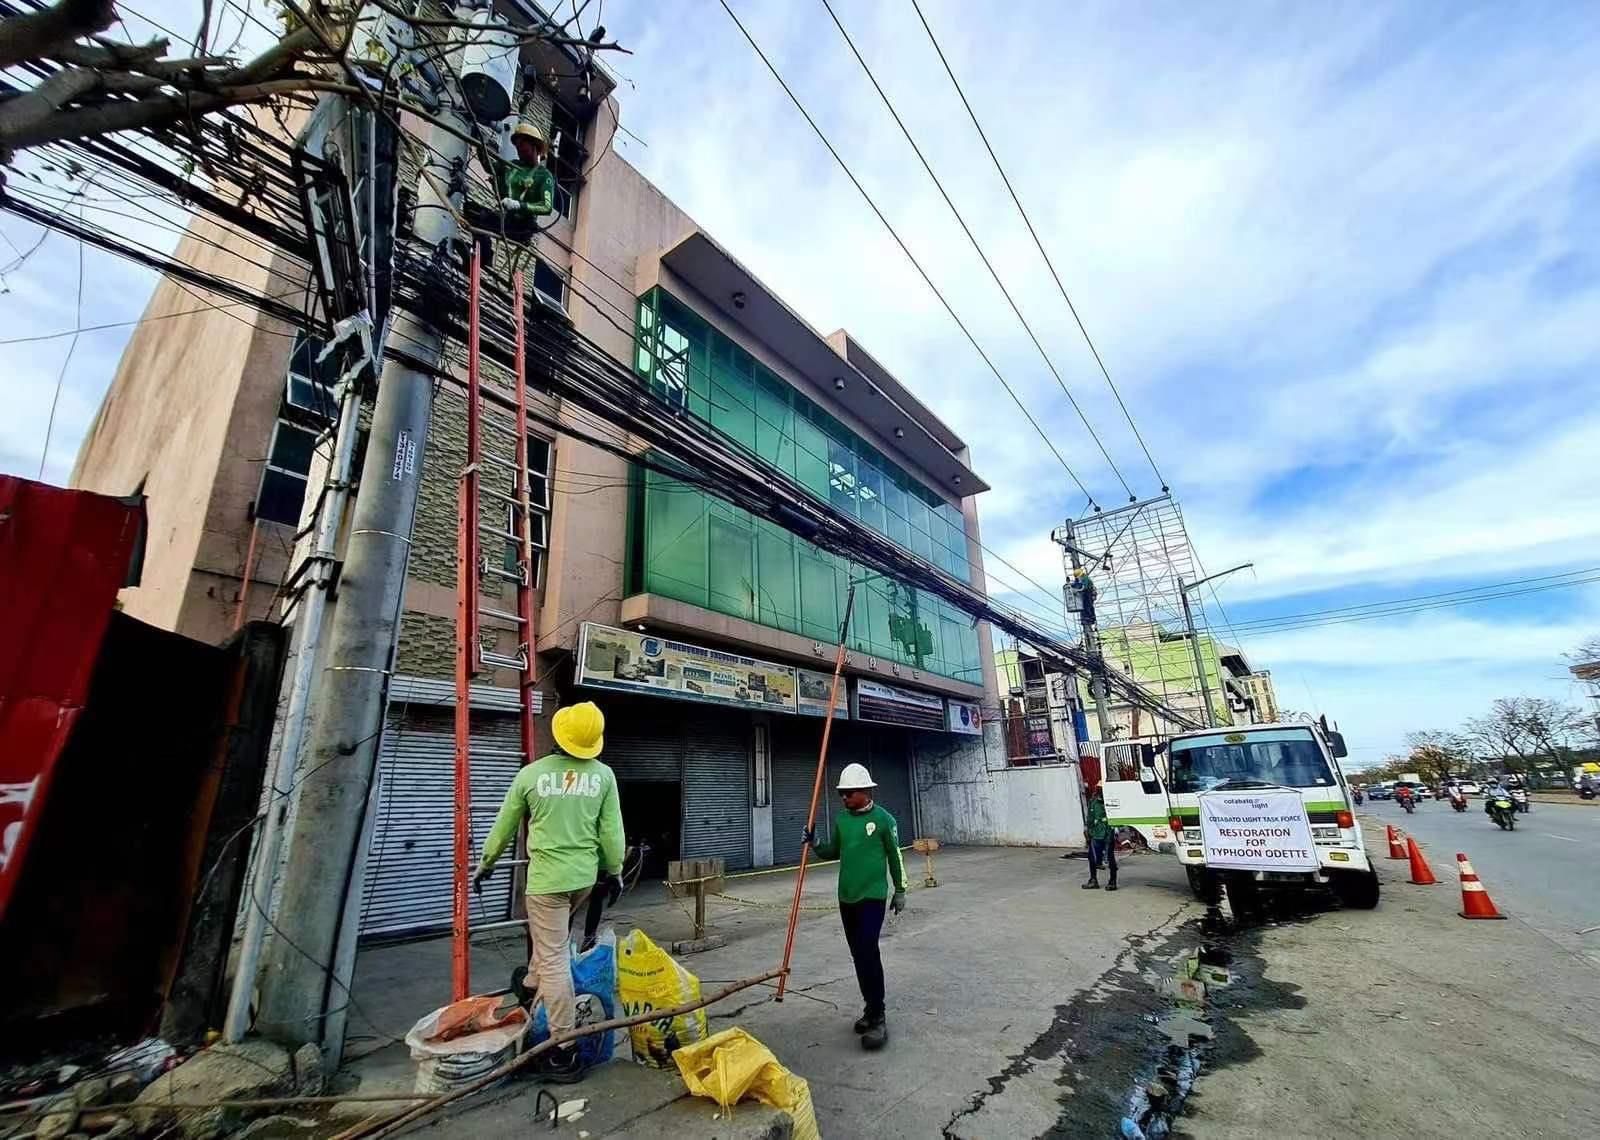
x: 886, y: 704
x: 963, y: 717
x: 610, y: 658
x: 812, y: 693
x: 1256, y: 831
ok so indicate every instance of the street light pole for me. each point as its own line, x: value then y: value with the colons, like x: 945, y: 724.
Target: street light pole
x: 1194, y: 640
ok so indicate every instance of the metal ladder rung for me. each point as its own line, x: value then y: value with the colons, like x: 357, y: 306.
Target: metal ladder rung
x: 518, y: 576
x: 509, y: 500
x: 490, y: 657
x: 498, y: 461
x: 499, y: 615
x: 508, y: 535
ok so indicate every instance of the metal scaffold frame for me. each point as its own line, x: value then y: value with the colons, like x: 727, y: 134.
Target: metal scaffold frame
x: 1139, y: 558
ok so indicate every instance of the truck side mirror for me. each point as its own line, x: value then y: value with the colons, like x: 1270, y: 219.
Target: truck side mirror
x: 1336, y: 743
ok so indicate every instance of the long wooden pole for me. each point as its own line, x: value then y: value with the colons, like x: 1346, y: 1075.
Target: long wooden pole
x: 816, y: 788
x: 374, y: 1129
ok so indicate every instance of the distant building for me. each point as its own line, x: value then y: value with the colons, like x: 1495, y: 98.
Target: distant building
x: 1162, y: 662
x: 1259, y: 685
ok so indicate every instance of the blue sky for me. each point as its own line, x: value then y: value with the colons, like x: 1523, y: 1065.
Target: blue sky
x: 1342, y: 260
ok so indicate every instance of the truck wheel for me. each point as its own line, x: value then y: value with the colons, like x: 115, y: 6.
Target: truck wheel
x: 1204, y: 885
x: 1357, y: 889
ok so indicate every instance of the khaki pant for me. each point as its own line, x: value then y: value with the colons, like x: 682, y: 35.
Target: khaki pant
x: 550, y: 925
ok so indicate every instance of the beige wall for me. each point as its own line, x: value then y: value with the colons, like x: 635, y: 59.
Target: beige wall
x: 183, y: 414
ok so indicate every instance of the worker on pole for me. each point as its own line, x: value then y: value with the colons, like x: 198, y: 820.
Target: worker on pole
x: 569, y: 800
x: 527, y: 193
x: 866, y: 842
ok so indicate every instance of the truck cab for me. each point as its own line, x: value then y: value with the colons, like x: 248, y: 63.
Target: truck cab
x: 1245, y: 808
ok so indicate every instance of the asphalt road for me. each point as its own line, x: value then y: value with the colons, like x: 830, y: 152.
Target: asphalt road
x: 1543, y: 873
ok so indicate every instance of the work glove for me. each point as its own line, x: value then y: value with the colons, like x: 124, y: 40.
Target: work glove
x: 898, y: 903
x: 479, y: 876
x: 610, y: 888
x: 808, y: 836
x: 510, y: 204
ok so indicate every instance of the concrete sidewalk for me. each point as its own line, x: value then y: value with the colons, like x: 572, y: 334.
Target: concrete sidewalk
x: 977, y: 970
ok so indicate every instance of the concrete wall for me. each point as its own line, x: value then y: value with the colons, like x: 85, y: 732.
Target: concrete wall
x: 966, y: 795
x: 190, y: 414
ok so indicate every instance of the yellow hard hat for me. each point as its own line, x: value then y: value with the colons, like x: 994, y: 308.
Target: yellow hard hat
x: 526, y: 130
x: 580, y: 730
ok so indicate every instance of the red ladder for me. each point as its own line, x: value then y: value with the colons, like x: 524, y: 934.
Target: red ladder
x: 473, y: 571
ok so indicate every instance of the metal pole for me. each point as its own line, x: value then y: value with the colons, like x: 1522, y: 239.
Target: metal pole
x: 816, y: 790
x: 1199, y: 665
x: 244, y: 586
x: 302, y: 974
x: 308, y: 641
x: 1098, y: 690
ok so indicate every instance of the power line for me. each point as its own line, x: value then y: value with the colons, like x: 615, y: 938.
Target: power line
x: 61, y: 376
x: 1399, y: 607
x: 984, y: 257
x: 1040, y: 244
x: 905, y: 249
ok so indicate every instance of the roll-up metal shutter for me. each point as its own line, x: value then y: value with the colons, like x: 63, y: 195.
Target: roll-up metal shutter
x: 408, y: 878
x: 716, y: 779
x: 794, y: 769
x: 891, y: 767
x: 644, y: 748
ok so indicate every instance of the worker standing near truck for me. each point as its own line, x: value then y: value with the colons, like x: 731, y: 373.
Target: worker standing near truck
x: 866, y: 842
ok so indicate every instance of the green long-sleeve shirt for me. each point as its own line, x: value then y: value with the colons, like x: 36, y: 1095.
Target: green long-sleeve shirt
x: 867, y: 845
x: 533, y: 186
x: 574, y: 823
x: 1099, y: 825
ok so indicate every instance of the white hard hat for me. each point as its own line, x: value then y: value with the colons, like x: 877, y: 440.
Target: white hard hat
x: 855, y: 776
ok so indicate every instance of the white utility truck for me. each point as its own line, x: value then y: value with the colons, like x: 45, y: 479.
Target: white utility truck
x: 1248, y: 807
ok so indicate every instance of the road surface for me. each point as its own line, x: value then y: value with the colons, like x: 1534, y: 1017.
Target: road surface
x: 1543, y: 874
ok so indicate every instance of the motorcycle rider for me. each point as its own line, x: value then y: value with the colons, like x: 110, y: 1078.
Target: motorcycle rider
x: 1403, y: 794
x: 1497, y: 791
x: 1457, y: 796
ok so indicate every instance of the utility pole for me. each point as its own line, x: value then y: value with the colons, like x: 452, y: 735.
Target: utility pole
x: 1199, y: 665
x: 306, y: 970
x: 1099, y: 691
x: 1194, y: 638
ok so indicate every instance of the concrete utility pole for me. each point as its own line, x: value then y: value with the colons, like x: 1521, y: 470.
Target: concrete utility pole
x: 1099, y: 691
x: 306, y: 968
x: 1194, y: 638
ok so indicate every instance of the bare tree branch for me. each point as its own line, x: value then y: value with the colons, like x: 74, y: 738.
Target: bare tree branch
x: 40, y: 33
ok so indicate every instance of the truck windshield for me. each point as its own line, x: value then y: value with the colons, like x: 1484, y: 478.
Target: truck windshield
x: 1286, y: 759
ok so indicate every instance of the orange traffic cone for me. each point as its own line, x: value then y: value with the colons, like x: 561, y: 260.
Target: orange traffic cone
x: 1421, y: 874
x: 1397, y: 849
x: 1475, y: 901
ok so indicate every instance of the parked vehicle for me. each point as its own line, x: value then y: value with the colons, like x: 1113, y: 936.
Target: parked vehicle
x: 1470, y: 787
x: 1380, y: 792
x: 1164, y: 805
x: 1502, y: 811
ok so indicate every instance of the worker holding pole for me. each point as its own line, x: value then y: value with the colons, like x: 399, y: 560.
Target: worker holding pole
x: 569, y: 800
x: 866, y: 842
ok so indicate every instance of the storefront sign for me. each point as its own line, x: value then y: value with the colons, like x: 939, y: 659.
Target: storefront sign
x: 812, y: 693
x: 889, y: 705
x: 610, y: 658
x: 962, y: 717
x: 1256, y: 831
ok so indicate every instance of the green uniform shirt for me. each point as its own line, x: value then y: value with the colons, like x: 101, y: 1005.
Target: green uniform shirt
x: 574, y: 823
x: 1099, y: 825
x: 533, y: 186
x: 867, y: 845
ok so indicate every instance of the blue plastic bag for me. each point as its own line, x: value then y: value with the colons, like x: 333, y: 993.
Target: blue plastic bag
x: 594, y: 985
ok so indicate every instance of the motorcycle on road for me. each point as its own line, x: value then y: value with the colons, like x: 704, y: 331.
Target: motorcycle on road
x: 1502, y: 811
x: 1409, y: 803
x: 1519, y: 800
x: 1458, y: 799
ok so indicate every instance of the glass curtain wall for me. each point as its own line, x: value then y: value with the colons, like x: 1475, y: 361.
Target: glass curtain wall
x: 693, y: 546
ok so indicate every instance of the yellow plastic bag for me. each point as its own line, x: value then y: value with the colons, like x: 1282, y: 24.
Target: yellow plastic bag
x: 733, y: 1066
x: 648, y: 978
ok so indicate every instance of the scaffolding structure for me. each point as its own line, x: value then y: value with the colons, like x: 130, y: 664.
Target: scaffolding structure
x: 1139, y: 558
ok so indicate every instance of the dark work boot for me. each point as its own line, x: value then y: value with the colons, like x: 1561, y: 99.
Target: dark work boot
x: 1093, y: 884
x: 1111, y: 884
x: 864, y: 1022
x: 876, y: 1035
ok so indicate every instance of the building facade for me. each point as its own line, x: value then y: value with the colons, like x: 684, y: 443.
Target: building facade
x: 701, y: 631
